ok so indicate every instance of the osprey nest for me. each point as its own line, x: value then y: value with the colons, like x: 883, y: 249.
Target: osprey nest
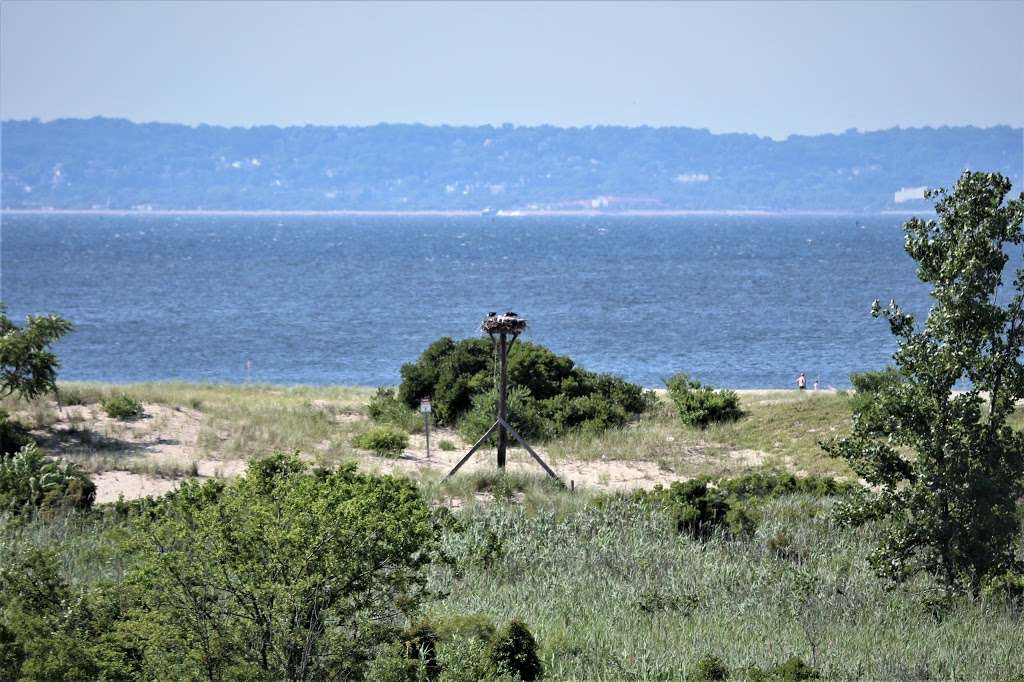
x: 509, y: 323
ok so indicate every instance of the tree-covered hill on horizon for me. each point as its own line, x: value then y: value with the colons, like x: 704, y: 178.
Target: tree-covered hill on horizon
x: 117, y: 164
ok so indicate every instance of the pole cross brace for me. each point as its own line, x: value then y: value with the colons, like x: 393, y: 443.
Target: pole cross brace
x: 515, y: 434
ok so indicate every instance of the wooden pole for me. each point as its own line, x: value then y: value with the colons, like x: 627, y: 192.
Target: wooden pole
x: 502, y: 400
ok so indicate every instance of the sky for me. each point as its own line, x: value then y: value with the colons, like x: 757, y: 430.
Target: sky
x: 772, y: 69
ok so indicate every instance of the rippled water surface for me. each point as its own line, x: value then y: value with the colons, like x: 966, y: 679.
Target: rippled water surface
x: 737, y: 301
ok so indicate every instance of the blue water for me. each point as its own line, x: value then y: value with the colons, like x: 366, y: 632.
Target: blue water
x: 735, y: 301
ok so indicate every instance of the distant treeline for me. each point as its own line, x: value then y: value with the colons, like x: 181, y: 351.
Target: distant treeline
x: 117, y: 164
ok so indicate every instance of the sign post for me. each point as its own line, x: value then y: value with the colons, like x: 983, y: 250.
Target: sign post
x: 425, y: 409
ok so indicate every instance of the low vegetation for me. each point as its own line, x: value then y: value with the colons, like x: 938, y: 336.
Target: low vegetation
x: 385, y: 442
x: 122, y: 407
x: 700, y: 405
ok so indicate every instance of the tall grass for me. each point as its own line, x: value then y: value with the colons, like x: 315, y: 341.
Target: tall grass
x: 613, y: 594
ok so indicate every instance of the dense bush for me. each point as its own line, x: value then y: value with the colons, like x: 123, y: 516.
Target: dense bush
x: 701, y: 506
x: 770, y: 482
x: 709, y: 668
x: 867, y: 385
x: 694, y: 508
x: 122, y: 407
x: 523, y: 415
x: 260, y: 580
x: 386, y: 442
x: 29, y: 481
x: 792, y: 670
x: 700, y: 405
x: 1008, y: 588
x: 513, y: 651
x: 549, y: 395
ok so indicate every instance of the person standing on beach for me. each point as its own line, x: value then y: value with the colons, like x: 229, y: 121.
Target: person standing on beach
x: 801, y: 382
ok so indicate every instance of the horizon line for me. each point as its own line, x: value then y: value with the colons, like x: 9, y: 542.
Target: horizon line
x: 507, y: 125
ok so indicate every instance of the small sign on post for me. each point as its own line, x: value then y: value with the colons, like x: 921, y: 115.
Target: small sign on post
x: 425, y: 409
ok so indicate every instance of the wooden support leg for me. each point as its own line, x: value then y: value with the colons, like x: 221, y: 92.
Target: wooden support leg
x: 515, y: 434
x: 472, y: 450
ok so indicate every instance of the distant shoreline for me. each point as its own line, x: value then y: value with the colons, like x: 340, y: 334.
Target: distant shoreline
x: 511, y: 213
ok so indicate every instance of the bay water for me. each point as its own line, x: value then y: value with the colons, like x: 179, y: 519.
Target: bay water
x: 737, y: 301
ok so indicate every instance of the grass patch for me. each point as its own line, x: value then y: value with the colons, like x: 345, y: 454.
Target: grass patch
x: 611, y: 592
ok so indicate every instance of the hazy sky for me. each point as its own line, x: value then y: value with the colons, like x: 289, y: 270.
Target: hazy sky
x: 772, y: 69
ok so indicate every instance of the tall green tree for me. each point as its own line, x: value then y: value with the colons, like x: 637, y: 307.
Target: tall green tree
x: 944, y: 463
x: 28, y: 366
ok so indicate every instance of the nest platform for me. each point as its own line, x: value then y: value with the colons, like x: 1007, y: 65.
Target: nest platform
x: 509, y: 323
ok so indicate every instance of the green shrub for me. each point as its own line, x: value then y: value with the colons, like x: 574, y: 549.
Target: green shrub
x: 383, y: 441
x: 701, y: 506
x: 693, y: 507
x: 875, y: 380
x: 347, y: 551
x: 420, y: 642
x: 1007, y: 587
x: 553, y: 396
x: 122, y: 407
x: 31, y: 481
x: 386, y: 408
x: 514, y: 651
x: 469, y: 626
x: 709, y: 668
x: 769, y: 482
x: 13, y: 435
x: 700, y: 405
x: 793, y: 670
x: 867, y: 385
x: 523, y: 415
x: 446, y: 445
x: 653, y: 601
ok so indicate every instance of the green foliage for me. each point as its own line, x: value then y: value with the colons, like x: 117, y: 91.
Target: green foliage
x: 867, y: 386
x: 699, y: 507
x: 450, y: 373
x: 523, y: 415
x: 383, y: 441
x: 27, y: 365
x: 386, y: 408
x: 513, y: 651
x: 769, y: 482
x: 700, y: 405
x: 655, y: 601
x: 446, y: 445
x: 709, y: 668
x: 278, y: 575
x: 548, y: 394
x: 50, y: 630
x: 122, y: 407
x: 13, y: 436
x: 1007, y: 587
x: 951, y: 504
x: 30, y: 481
x: 420, y: 642
x: 694, y: 507
x: 792, y: 670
